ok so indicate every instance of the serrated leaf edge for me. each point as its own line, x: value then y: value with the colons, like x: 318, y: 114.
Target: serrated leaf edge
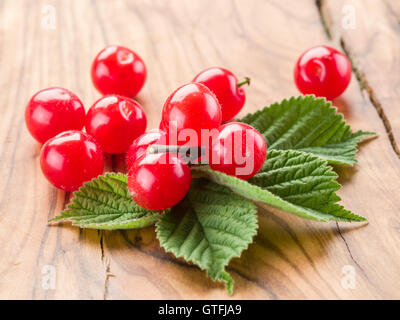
x: 225, y: 276
x: 65, y: 217
x: 365, y: 134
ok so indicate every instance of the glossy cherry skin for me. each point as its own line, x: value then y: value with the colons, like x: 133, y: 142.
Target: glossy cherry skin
x: 115, y: 121
x: 118, y: 70
x: 189, y: 109
x: 159, y: 181
x: 141, y: 143
x: 322, y: 71
x: 71, y: 158
x: 53, y: 110
x: 239, y: 150
x: 224, y: 84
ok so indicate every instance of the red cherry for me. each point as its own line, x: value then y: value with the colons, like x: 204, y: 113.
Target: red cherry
x: 322, y: 71
x: 188, y: 110
x: 53, y: 110
x: 118, y: 70
x: 71, y: 158
x: 115, y: 121
x: 239, y: 150
x: 141, y: 143
x: 224, y: 85
x: 159, y: 181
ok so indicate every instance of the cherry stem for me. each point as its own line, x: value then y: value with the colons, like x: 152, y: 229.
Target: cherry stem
x: 246, y: 80
x: 188, y: 153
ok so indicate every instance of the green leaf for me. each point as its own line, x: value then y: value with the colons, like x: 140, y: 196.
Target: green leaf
x: 293, y: 181
x: 209, y: 228
x: 105, y: 203
x: 308, y: 124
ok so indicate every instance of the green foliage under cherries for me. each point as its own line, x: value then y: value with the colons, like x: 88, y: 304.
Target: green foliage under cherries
x: 217, y: 221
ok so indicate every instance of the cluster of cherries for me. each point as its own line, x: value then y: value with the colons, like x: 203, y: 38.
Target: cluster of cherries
x: 194, y: 117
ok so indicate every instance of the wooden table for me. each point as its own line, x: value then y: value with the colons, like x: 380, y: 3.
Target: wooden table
x: 291, y: 258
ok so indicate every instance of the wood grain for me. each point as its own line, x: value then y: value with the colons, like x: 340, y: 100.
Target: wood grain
x: 374, y: 47
x: 290, y: 258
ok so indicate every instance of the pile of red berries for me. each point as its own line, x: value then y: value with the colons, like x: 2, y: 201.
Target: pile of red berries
x: 193, y: 128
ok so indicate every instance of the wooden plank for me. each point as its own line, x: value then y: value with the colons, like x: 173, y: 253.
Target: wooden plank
x: 370, y: 32
x: 290, y: 258
x: 33, y: 58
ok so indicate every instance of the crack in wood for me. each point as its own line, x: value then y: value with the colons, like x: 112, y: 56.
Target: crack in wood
x: 360, y: 76
x: 363, y: 272
x: 364, y: 85
x: 325, y: 21
x: 66, y: 200
x: 324, y: 18
x: 348, y: 248
x: 106, y: 262
x: 108, y: 276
